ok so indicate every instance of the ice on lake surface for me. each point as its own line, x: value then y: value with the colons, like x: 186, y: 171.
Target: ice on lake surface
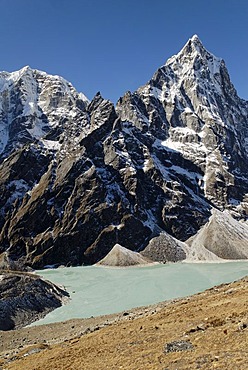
x: 99, y: 290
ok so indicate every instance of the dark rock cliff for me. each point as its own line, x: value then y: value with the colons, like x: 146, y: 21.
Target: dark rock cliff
x: 24, y: 298
x: 77, y: 177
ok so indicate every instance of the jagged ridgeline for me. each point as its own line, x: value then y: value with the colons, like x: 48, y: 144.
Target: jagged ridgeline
x: 78, y: 177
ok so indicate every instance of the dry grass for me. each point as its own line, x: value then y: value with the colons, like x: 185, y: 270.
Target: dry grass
x: 214, y: 322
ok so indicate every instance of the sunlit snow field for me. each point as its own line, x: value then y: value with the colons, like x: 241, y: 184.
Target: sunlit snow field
x: 96, y: 291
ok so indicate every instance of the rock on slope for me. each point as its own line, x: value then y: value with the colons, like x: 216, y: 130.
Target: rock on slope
x: 77, y: 177
x: 25, y: 298
x: 120, y: 256
x: 223, y: 236
x: 164, y: 248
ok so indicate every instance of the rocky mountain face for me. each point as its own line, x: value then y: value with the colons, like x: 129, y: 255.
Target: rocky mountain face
x: 24, y: 298
x: 77, y: 177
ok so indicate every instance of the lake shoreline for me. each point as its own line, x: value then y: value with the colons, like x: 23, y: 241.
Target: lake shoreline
x: 101, y: 290
x: 17, y: 343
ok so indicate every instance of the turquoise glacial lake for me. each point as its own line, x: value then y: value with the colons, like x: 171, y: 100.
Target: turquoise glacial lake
x: 99, y: 290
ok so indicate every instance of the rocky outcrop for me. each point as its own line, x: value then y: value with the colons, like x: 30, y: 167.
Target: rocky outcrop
x: 6, y: 263
x: 123, y: 257
x: 35, y: 106
x: 191, y: 107
x: 77, y: 177
x: 222, y: 236
x: 25, y: 297
x: 164, y: 248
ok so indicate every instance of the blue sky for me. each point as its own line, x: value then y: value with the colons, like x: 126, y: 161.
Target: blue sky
x: 116, y: 45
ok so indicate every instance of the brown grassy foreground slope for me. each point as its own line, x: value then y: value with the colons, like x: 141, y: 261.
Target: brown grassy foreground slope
x: 213, y: 324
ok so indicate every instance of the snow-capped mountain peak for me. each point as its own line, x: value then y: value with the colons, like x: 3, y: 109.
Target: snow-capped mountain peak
x: 192, y: 49
x: 32, y: 103
x: 192, y: 108
x: 193, y: 45
x: 77, y: 177
x: 195, y: 62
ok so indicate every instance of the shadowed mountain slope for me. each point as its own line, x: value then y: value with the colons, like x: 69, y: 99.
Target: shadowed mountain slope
x: 77, y: 177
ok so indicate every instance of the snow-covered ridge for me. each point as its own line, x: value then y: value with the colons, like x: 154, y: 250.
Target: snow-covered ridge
x: 192, y: 108
x: 193, y: 65
x: 193, y: 48
x: 8, y: 78
x: 82, y: 176
x: 33, y: 102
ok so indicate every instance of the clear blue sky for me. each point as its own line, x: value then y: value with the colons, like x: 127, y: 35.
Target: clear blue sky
x: 116, y: 45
